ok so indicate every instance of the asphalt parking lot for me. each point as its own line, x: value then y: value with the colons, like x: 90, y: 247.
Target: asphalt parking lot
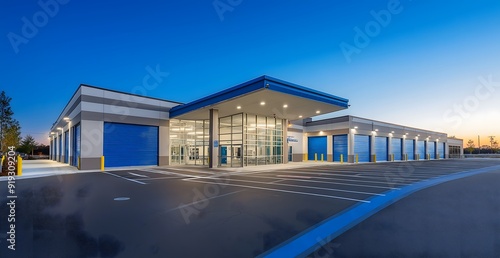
x: 197, y: 212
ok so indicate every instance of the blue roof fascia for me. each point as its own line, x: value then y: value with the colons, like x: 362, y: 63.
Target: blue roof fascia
x: 300, y: 91
x: 233, y: 92
x: 263, y: 82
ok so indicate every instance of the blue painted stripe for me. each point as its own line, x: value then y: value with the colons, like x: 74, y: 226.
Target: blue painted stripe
x: 308, y: 241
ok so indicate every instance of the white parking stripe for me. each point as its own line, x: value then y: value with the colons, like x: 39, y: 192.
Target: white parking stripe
x: 134, y: 174
x: 168, y: 173
x: 132, y: 180
x: 204, y: 200
x: 329, y: 182
x: 304, y: 186
x: 285, y: 191
x: 289, y: 176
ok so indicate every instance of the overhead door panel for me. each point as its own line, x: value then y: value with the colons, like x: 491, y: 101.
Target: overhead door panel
x: 431, y: 149
x: 66, y: 147
x: 130, y: 145
x: 421, y: 149
x: 316, y: 145
x: 381, y: 148
x: 76, y: 144
x: 409, y: 149
x: 362, y: 147
x: 396, y: 148
x: 340, y: 147
x: 441, y: 150
x: 59, y: 148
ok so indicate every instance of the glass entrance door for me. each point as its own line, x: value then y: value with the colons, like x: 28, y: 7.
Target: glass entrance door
x: 231, y: 155
x: 178, y: 154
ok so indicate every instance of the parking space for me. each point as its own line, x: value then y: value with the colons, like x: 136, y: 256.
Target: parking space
x: 194, y: 211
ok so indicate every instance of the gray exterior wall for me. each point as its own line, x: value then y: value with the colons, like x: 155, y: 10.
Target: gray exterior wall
x: 92, y: 106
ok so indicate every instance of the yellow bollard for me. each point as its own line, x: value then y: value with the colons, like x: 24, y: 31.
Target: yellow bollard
x: 375, y: 158
x: 78, y: 163
x: 102, y: 163
x: 322, y: 157
x: 315, y: 156
x: 357, y: 158
x: 341, y: 158
x: 305, y: 157
x: 19, y: 166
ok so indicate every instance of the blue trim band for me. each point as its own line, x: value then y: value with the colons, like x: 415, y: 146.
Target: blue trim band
x: 263, y: 82
x: 313, y: 238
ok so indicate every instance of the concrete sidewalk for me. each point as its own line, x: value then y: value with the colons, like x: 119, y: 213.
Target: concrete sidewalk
x: 40, y: 168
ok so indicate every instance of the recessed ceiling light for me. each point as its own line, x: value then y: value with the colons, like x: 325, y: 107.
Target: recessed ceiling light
x: 317, y: 112
x: 376, y: 130
x: 262, y: 103
x: 300, y: 116
x: 238, y: 107
x: 285, y: 106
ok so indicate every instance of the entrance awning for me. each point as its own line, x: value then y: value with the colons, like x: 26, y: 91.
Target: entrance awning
x: 264, y: 96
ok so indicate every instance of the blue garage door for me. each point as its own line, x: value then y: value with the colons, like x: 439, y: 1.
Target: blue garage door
x: 130, y: 145
x: 441, y: 150
x: 431, y: 149
x: 409, y: 149
x: 421, y: 149
x: 381, y: 148
x: 59, y: 148
x: 316, y: 145
x: 362, y: 147
x: 52, y: 149
x: 76, y: 144
x: 340, y: 147
x: 396, y: 148
x: 66, y: 146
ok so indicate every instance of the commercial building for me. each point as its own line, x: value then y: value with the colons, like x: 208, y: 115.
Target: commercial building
x: 259, y: 122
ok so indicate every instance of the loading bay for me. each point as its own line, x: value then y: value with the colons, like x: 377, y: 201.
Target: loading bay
x: 450, y: 208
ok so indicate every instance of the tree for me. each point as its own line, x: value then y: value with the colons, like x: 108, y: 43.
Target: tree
x: 28, y: 144
x: 9, y: 127
x: 492, y: 141
x: 470, y: 146
x: 12, y: 136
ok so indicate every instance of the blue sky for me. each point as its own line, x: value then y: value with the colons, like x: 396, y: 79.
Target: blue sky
x: 416, y: 69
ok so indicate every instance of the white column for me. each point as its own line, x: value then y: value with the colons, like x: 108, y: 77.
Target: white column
x: 285, y: 140
x: 415, y: 148
x: 389, y: 147
x: 329, y: 148
x: 213, y: 145
x: 350, y: 147
x: 403, y: 148
x: 372, y: 146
